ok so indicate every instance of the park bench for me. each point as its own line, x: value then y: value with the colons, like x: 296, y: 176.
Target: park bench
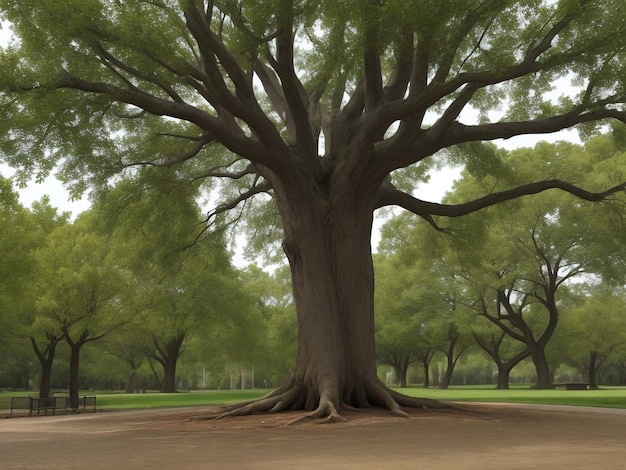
x: 572, y: 385
x: 53, y: 404
x: 32, y: 404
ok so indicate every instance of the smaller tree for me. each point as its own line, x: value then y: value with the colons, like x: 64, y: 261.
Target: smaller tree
x: 86, y: 296
x: 495, y: 343
x: 453, y: 340
x: 23, y: 277
x: 275, y: 322
x: 399, y: 318
x: 595, y: 331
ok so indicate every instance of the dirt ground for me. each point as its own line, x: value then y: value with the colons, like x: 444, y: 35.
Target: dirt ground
x: 471, y: 437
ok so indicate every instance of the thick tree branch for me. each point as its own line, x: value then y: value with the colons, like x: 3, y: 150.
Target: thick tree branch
x: 388, y: 195
x: 472, y: 81
x: 237, y: 142
x: 371, y: 57
x: 399, y: 82
x: 460, y: 133
x: 217, y: 59
x: 271, y: 85
x: 207, y: 39
x: 162, y: 162
x: 293, y: 90
x: 113, y: 62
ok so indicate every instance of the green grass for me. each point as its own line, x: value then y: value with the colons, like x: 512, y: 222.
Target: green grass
x: 609, y: 397
x: 122, y: 401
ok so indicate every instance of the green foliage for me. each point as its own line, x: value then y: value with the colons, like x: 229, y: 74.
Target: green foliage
x: 276, y: 309
x: 597, y: 325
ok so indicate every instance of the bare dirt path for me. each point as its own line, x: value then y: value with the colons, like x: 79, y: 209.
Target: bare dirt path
x: 473, y: 437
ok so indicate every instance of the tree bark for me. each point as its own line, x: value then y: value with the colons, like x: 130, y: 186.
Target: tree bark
x: 46, y: 359
x: 327, y: 242
x: 73, y: 384
x: 169, y: 377
x: 426, y: 382
x: 130, y: 382
x: 542, y: 368
x: 333, y: 283
x: 425, y: 357
x: 593, y: 370
x: 450, y: 364
x: 75, y: 347
x: 401, y: 371
x: 168, y: 358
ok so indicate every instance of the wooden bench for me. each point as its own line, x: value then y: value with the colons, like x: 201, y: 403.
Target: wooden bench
x: 572, y: 385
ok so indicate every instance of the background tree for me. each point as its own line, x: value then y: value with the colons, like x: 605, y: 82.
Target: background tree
x: 22, y: 314
x: 279, y: 331
x: 17, y: 267
x: 125, y: 346
x: 595, y: 330
x: 86, y: 296
x: 400, y: 316
x: 534, y: 249
x: 242, y: 92
x: 187, y: 285
x: 498, y: 346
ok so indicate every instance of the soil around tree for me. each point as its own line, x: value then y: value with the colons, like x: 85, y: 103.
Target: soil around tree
x: 469, y: 436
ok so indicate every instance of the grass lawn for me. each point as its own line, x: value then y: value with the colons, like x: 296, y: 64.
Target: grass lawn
x: 610, y: 397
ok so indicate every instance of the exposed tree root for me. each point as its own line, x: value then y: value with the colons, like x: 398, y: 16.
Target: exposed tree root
x: 293, y: 396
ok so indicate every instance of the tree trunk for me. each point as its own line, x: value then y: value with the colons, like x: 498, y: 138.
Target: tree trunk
x: 401, y: 372
x: 46, y: 359
x: 333, y: 283
x: 492, y: 346
x: 155, y: 374
x: 75, y: 347
x: 73, y: 386
x: 503, y: 378
x: 169, y: 360
x: 130, y: 382
x: 329, y: 252
x: 542, y: 368
x: 451, y: 359
x: 26, y: 379
x: 169, y: 377
x: 593, y: 370
x: 425, y: 359
x: 447, y: 375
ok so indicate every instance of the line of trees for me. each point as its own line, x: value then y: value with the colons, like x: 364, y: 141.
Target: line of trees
x: 133, y: 290
x: 527, y: 279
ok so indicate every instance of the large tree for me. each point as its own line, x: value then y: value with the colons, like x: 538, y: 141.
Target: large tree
x: 319, y: 104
